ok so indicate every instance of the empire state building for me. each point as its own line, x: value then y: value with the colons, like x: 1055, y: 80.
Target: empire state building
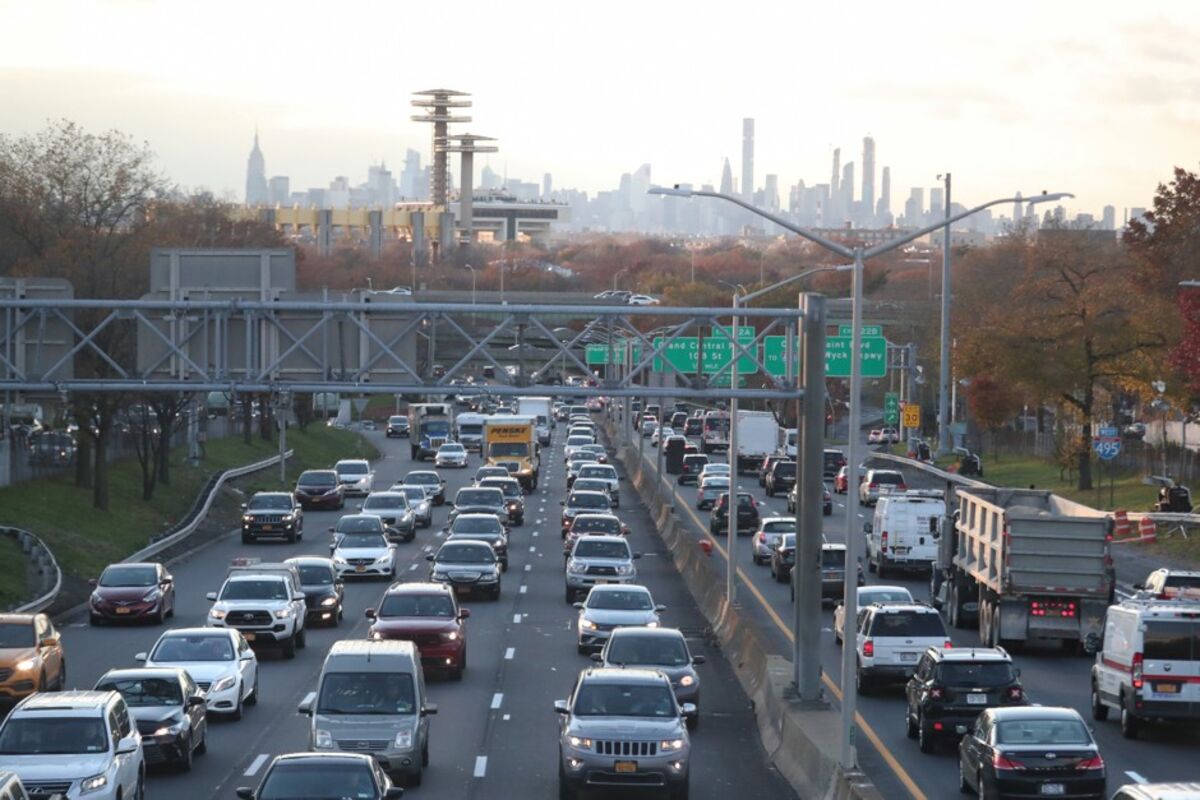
x: 256, y: 176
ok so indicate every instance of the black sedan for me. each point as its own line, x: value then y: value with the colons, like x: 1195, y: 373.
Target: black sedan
x: 169, y: 710
x: 323, y: 775
x: 323, y: 590
x: 1031, y: 751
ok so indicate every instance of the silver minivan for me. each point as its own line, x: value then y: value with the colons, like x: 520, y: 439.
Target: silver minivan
x: 371, y: 699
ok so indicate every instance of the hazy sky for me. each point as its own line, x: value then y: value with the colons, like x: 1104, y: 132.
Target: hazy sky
x: 1097, y: 97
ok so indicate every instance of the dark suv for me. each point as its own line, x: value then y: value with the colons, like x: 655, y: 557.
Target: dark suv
x: 692, y: 465
x: 747, y: 514
x: 951, y: 687
x: 766, y: 466
x: 272, y: 515
x: 694, y: 426
x: 780, y: 477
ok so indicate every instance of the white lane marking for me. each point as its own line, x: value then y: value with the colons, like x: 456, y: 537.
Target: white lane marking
x: 497, y: 699
x: 256, y: 764
x: 862, y: 515
x: 532, y: 548
x: 528, y: 567
x: 429, y: 547
x: 506, y: 717
x: 839, y: 505
x: 1135, y: 777
x: 516, y: 618
x: 510, y: 653
x: 524, y: 589
x: 535, y: 533
x: 480, y: 766
x: 412, y: 568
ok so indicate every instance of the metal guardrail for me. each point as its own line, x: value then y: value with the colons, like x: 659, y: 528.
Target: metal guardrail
x: 39, y: 552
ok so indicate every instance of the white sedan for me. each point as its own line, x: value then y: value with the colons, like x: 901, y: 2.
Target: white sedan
x: 219, y: 660
x: 364, y: 555
x: 451, y: 454
x: 642, y: 300
x: 866, y: 595
x: 660, y: 434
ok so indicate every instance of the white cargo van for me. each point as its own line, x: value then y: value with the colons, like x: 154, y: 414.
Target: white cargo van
x: 903, y: 532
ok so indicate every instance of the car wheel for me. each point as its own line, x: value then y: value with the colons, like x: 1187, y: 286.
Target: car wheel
x: 582, y: 649
x: 61, y: 683
x: 924, y: 735
x: 140, y: 792
x: 302, y: 638
x: 185, y: 762
x: 680, y: 792
x: 693, y: 722
x: 1099, y: 710
x: 289, y: 647
x: 247, y: 539
x: 252, y: 698
x: 425, y: 754
x: 963, y: 786
x: 1129, y: 723
x: 565, y: 792
x: 861, y: 681
x: 414, y: 778
x: 237, y: 712
x: 910, y: 727
x: 770, y: 490
x: 95, y: 619
x: 570, y: 595
x: 202, y: 748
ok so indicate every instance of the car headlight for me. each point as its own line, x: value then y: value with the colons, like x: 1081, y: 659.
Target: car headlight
x: 652, y: 623
x: 95, y: 597
x: 625, y: 569
x: 150, y: 595
x: 587, y: 625
x: 329, y: 601
x: 228, y: 682
x: 583, y: 743
x: 451, y: 636
x: 93, y: 784
x: 687, y: 680
x: 339, y: 560
x: 383, y: 559
x: 403, y: 740
x: 283, y: 613
x: 247, y: 518
x: 26, y: 665
x: 575, y: 566
x: 323, y: 739
x: 170, y: 727
x: 670, y: 745
x: 216, y: 613
x: 288, y: 517
x: 438, y: 575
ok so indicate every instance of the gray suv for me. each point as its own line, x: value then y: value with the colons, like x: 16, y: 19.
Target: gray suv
x: 622, y: 728
x: 663, y: 649
x: 598, y: 560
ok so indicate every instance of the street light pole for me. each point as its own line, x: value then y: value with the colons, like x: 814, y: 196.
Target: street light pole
x: 618, y: 274
x: 472, y: 293
x: 732, y: 504
x: 944, y: 378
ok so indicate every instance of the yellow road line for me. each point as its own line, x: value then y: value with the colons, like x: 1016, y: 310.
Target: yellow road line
x: 883, y: 750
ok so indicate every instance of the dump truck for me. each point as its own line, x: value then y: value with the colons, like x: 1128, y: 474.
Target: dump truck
x: 429, y: 426
x: 1025, y: 565
x: 510, y: 440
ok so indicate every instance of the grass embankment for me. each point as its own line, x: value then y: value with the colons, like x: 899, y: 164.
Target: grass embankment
x: 14, y: 588
x: 84, y: 539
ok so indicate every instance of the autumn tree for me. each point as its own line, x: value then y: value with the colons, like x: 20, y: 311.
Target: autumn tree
x: 1185, y: 356
x: 992, y: 402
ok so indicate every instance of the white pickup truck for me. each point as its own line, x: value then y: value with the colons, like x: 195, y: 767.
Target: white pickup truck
x: 263, y: 601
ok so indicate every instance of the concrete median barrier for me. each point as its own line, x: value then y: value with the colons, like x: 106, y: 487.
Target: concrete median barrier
x: 801, y: 743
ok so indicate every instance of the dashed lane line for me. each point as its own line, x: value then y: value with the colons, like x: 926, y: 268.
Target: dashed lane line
x: 480, y: 766
x: 1135, y: 777
x: 497, y: 700
x: 256, y: 764
x: 510, y: 653
x: 516, y: 619
x: 523, y: 589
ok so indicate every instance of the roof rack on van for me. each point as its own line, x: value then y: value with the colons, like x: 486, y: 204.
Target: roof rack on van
x: 1143, y: 597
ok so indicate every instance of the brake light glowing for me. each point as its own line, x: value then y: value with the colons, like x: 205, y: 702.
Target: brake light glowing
x: 869, y: 648
x: 1095, y: 762
x: 1015, y: 693
x: 872, y: 485
x: 900, y: 487
x: 948, y: 645
x: 1003, y: 762
x: 883, y: 537
x: 1135, y: 671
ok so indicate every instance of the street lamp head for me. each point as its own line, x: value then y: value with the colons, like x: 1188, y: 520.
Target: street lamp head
x: 673, y: 191
x: 1050, y: 197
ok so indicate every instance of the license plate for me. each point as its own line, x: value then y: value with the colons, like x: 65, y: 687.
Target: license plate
x: 977, y: 699
x: 266, y: 527
x: 599, y: 582
x: 900, y: 551
x: 360, y: 568
x: 1161, y: 688
x: 249, y: 635
x: 122, y: 610
x: 625, y: 766
x: 908, y: 657
x: 1053, y: 788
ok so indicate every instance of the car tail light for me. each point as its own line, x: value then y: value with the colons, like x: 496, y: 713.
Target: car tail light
x: 869, y: 648
x: 883, y: 537
x: 1136, y: 671
x: 900, y: 487
x: 762, y: 538
x: 937, y: 693
x: 1015, y: 693
x: 1004, y: 762
x: 872, y: 485
x: 1095, y: 762
x: 948, y: 645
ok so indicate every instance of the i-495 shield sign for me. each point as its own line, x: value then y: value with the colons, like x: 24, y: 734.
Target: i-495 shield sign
x: 1107, y: 443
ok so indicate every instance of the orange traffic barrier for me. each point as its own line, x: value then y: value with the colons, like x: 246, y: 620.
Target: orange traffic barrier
x: 1121, y: 523
x: 1147, y: 530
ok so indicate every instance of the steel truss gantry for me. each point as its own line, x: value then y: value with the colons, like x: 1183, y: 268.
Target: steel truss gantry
x: 241, y: 346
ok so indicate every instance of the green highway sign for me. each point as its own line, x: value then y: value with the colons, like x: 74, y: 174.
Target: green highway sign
x: 873, y: 354
x: 773, y: 355
x: 867, y: 330
x: 891, y: 409
x: 682, y: 353
x: 597, y: 354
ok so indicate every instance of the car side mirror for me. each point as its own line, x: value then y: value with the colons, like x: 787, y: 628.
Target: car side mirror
x: 697, y: 660
x: 429, y: 557
x: 298, y: 596
x: 195, y: 700
x: 370, y: 613
x: 95, y: 582
x: 561, y: 707
x: 140, y: 657
x: 306, y: 706
x: 127, y: 745
x: 689, y: 709
x: 243, y: 506
x: 1137, y: 587
x: 331, y: 530
x: 247, y: 656
x: 636, y: 556
x: 245, y: 793
x: 562, y: 502
x: 446, y: 529
x: 463, y: 613
x: 429, y: 709
x: 50, y: 641
x: 597, y: 657
x: 394, y: 792
x: 660, y: 607
x: 211, y: 597
x: 577, y: 605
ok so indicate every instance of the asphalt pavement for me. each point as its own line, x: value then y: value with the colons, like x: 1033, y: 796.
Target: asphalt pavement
x: 1050, y: 676
x: 495, y: 734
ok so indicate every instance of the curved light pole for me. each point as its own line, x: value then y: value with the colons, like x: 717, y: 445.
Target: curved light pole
x: 618, y: 274
x: 854, y: 539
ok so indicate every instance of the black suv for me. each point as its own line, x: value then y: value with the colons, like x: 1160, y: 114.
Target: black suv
x: 780, y: 477
x: 274, y: 515
x: 693, y: 426
x: 950, y: 688
x: 514, y: 497
x: 691, y: 468
x: 747, y: 514
x: 766, y: 466
x: 397, y: 426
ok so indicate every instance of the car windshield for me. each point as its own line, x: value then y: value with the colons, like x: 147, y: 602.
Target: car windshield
x: 663, y: 651
x: 908, y: 623
x: 316, y: 575
x: 589, y: 500
x: 890, y: 478
x: 511, y: 449
x: 193, y: 648
x: 252, y: 589
x: 596, y: 525
x: 366, y: 693
x: 460, y: 554
x: 362, y: 540
x: 988, y: 673
x: 452, y: 447
x: 603, y: 473
x: 488, y: 524
x: 780, y: 526
x: 507, y: 486
x: 599, y: 548
x: 269, y: 502
x: 317, y: 479
x: 436, y: 427
x: 833, y: 559
x: 117, y: 577
x: 866, y: 597
x: 614, y: 700
x: 359, y: 525
x: 353, y: 468
x: 423, y: 478
x: 288, y: 781
x: 591, y: 485
x: 33, y: 736
x: 413, y: 493
x: 479, y: 497
x: 491, y: 472
x: 577, y: 441
x: 715, y: 484
x: 397, y: 420
x: 787, y: 540
x: 16, y: 635
x: 417, y: 605
x: 786, y: 469
x: 386, y: 502
x: 1042, y: 732
x: 145, y: 691
x: 620, y: 600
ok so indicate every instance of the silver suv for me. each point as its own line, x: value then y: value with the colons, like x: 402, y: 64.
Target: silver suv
x: 597, y: 560
x: 623, y: 727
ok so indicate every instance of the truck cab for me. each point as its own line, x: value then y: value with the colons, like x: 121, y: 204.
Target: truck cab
x: 512, y: 438
x: 430, y: 426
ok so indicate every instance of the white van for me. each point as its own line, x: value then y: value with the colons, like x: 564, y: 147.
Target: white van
x: 1148, y: 664
x: 903, y: 534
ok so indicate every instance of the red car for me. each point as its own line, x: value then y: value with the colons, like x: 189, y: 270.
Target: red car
x: 428, y: 615
x: 840, y: 483
x: 319, y: 488
x: 132, y: 591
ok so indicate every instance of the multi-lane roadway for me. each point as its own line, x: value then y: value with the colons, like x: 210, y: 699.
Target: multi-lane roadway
x: 495, y: 734
x: 1050, y: 677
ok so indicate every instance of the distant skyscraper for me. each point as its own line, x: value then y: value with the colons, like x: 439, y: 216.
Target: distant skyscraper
x: 936, y: 204
x: 279, y: 190
x: 381, y: 188
x: 1017, y: 210
x: 748, y: 159
x: 488, y: 178
x: 638, y: 187
x: 726, y: 179
x: 832, y: 211
x: 256, y: 176
x: 547, y: 185
x: 847, y: 201
x: 868, y: 182
x: 1110, y: 219
x: 771, y: 192
x: 413, y: 181
x: 883, y: 210
x: 914, y: 208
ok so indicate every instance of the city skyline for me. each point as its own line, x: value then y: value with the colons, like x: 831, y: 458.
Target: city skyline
x: 1097, y: 104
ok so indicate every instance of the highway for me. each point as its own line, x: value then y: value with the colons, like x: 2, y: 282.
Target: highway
x: 495, y: 734
x: 1050, y: 677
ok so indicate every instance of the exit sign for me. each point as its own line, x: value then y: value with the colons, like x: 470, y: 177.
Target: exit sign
x: 867, y: 330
